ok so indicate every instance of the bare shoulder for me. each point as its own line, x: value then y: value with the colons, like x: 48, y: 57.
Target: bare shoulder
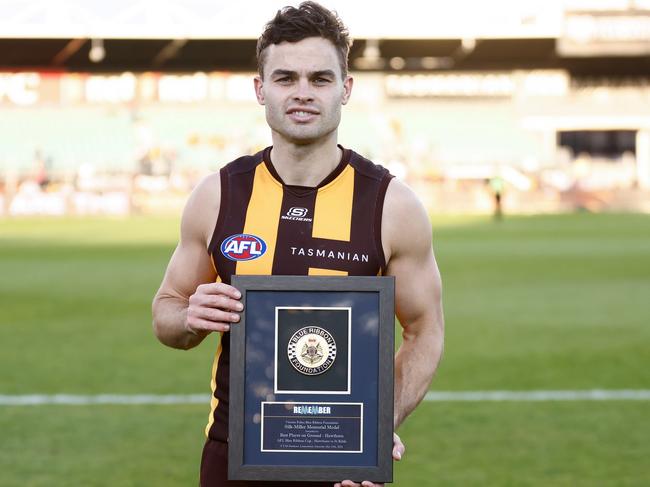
x: 202, y: 209
x: 405, y: 223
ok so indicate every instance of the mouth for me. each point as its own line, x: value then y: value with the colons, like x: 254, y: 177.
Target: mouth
x: 302, y: 114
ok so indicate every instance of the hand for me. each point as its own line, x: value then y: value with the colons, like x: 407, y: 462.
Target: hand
x: 398, y: 451
x: 212, y: 308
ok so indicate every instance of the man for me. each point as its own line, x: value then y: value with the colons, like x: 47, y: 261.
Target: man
x: 298, y: 204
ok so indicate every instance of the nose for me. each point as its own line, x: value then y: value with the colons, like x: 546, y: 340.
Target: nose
x: 303, y: 93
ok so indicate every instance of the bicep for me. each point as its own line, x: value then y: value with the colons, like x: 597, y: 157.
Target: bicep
x: 191, y: 264
x: 418, y: 285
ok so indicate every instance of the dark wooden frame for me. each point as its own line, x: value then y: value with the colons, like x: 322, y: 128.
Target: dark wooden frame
x: 383, y: 471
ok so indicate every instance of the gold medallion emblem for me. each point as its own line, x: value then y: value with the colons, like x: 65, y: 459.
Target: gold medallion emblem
x: 311, y: 350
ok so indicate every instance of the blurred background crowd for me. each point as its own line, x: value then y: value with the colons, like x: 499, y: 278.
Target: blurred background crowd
x: 122, y: 109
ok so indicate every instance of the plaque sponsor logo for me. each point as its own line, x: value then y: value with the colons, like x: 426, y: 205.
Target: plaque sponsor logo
x: 243, y: 246
x: 311, y: 350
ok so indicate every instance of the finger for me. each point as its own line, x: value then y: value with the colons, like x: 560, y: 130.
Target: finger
x: 219, y: 288
x: 211, y: 314
x: 220, y: 301
x: 398, y: 447
x: 199, y: 325
x: 368, y: 483
x: 349, y: 483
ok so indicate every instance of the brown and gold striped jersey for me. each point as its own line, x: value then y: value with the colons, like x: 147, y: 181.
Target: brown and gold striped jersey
x: 267, y: 227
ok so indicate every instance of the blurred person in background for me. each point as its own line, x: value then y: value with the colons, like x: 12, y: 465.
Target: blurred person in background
x: 41, y: 169
x: 496, y: 186
x: 303, y: 83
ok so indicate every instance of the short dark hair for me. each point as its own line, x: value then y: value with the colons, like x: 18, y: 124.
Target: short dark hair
x: 310, y: 19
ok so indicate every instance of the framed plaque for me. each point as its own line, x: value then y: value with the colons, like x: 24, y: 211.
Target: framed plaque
x: 311, y: 379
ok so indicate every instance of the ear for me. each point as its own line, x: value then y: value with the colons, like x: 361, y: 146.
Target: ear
x: 259, y: 92
x: 347, y: 89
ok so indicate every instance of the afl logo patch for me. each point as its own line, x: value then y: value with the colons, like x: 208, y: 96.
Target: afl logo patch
x: 243, y: 247
x: 311, y: 350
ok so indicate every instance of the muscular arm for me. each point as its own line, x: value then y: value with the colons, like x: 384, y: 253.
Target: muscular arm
x: 189, y: 304
x: 406, y: 233
x: 406, y: 237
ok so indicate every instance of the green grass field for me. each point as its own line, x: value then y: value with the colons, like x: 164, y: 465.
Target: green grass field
x: 531, y: 303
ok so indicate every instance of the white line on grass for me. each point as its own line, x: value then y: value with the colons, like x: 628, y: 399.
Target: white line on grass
x: 81, y: 400
x: 432, y: 396
x: 524, y: 396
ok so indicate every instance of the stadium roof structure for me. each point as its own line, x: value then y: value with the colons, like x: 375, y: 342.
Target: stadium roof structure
x: 191, y: 35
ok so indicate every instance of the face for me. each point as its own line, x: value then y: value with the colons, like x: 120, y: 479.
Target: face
x: 302, y: 90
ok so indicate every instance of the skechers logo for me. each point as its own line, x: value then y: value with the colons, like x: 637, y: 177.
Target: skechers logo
x: 298, y: 214
x: 297, y: 211
x: 243, y: 247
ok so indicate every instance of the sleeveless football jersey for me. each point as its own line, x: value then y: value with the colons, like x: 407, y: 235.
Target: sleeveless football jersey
x: 267, y: 227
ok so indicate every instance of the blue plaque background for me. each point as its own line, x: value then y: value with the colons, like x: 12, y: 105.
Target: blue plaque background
x: 260, y: 356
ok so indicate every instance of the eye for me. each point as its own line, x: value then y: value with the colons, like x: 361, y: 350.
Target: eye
x: 321, y: 81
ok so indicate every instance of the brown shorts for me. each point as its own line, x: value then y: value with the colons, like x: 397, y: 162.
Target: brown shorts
x: 214, y: 470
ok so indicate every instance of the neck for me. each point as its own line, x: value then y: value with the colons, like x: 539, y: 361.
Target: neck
x: 305, y: 165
